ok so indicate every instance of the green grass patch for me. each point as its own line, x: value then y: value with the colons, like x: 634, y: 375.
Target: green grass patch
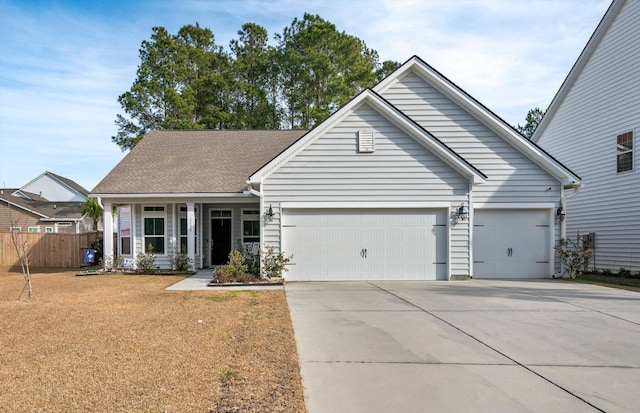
x: 229, y: 295
x: 625, y: 283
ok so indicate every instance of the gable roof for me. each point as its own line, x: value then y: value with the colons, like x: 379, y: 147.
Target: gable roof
x: 198, y: 162
x: 482, y: 113
x: 44, y: 209
x: 66, y: 183
x: 395, y: 116
x: 595, y: 39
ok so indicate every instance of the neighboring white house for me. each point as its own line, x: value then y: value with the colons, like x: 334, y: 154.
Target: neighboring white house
x: 49, y: 203
x: 592, y: 126
x: 413, y: 180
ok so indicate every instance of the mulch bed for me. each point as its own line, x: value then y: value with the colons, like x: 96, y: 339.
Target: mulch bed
x: 118, y: 342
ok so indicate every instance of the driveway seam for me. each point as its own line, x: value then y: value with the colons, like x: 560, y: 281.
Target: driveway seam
x: 487, y: 345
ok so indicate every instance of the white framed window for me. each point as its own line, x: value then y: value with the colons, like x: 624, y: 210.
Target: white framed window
x: 154, y: 229
x: 15, y: 229
x: 48, y: 230
x: 183, y: 229
x: 124, y: 225
x: 33, y: 229
x: 64, y: 224
x: 624, y: 152
x: 250, y: 225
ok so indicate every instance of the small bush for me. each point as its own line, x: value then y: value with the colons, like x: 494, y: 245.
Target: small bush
x: 606, y: 271
x: 273, y: 265
x: 252, y: 260
x: 623, y: 272
x: 235, y: 271
x: 181, y: 261
x: 573, y: 255
x: 145, y: 262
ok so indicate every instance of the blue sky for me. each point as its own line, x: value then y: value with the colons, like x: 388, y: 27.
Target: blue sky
x: 63, y: 64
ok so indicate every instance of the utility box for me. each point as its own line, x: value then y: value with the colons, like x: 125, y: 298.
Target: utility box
x: 589, y: 240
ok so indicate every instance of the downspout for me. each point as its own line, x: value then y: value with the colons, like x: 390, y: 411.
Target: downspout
x: 563, y: 225
x: 262, y: 223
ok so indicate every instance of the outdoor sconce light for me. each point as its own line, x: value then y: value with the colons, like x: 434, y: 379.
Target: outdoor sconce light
x: 269, y: 214
x: 462, y: 213
x: 560, y: 213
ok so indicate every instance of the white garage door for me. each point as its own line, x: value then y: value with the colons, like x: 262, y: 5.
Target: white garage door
x: 356, y: 244
x: 511, y: 244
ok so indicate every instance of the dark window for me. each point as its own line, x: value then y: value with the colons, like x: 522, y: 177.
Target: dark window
x: 625, y: 152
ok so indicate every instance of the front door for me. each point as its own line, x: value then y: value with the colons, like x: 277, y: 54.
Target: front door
x: 220, y: 237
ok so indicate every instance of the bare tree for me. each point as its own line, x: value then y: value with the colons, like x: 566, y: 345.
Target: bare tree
x: 22, y: 245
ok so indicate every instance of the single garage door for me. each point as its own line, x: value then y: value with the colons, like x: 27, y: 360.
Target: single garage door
x: 512, y: 243
x: 357, y: 244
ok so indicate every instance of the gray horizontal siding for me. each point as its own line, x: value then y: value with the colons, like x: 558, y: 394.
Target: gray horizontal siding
x: 604, y: 102
x: 512, y: 177
x: 400, y: 170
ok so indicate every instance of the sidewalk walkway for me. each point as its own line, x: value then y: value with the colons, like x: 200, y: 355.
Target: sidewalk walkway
x: 201, y: 279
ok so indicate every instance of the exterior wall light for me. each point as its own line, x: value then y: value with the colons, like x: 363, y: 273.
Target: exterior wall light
x: 462, y: 213
x: 269, y: 213
x: 560, y: 213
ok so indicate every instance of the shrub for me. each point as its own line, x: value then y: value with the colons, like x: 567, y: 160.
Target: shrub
x: 145, y: 262
x: 273, y: 264
x: 606, y: 271
x: 573, y: 255
x: 181, y: 261
x: 623, y: 272
x: 234, y: 271
x: 252, y: 260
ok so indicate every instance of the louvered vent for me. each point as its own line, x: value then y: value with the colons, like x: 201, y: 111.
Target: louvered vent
x: 366, y: 141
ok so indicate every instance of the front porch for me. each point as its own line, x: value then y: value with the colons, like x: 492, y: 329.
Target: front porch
x: 206, y: 231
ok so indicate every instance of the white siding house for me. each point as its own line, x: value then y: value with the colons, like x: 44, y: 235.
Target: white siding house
x: 592, y: 126
x: 413, y: 180
x: 391, y: 211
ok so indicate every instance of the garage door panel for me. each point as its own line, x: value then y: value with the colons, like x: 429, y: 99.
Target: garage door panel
x: 365, y: 244
x: 511, y: 244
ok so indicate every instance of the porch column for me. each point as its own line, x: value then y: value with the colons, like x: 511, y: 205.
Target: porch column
x: 191, y: 232
x: 107, y: 231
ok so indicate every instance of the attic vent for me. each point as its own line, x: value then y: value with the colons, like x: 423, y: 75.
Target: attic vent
x: 366, y: 140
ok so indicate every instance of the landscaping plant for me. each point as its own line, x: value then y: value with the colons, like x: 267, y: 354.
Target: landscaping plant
x: 145, y: 262
x: 273, y: 265
x: 573, y: 255
x: 181, y: 261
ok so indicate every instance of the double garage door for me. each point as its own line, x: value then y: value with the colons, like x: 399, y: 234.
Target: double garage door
x: 512, y: 243
x: 369, y: 244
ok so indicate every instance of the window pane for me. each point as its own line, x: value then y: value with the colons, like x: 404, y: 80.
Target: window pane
x: 625, y: 162
x: 159, y: 226
x: 625, y: 142
x: 183, y: 226
x: 156, y: 242
x: 148, y: 226
x: 126, y: 246
x: 251, y: 228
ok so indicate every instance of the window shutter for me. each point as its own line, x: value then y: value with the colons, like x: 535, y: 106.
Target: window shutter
x: 366, y: 141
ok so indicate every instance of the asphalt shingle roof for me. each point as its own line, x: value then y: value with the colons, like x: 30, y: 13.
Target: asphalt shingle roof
x: 53, y: 210
x: 209, y: 161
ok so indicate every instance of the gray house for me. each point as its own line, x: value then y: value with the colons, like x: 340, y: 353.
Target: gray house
x: 413, y: 180
x: 592, y: 126
x: 49, y: 203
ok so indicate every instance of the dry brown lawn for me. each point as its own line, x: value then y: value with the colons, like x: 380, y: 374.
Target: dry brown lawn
x: 123, y: 343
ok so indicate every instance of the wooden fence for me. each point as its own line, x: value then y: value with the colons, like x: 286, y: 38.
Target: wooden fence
x: 48, y: 250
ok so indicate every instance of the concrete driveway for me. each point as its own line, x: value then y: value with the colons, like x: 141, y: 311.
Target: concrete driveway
x: 470, y: 346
